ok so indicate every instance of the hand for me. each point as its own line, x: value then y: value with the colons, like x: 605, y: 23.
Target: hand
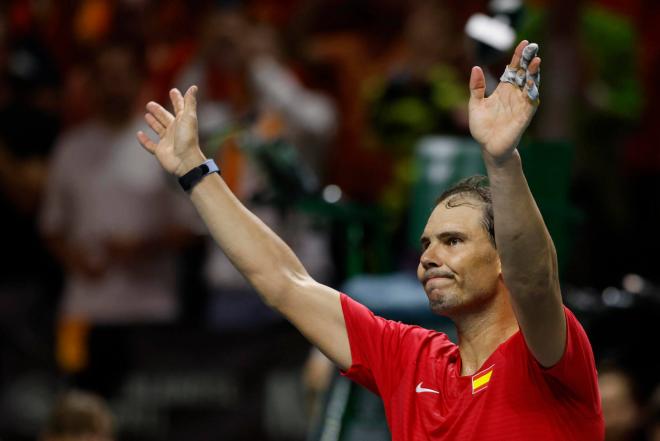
x: 498, y: 122
x: 178, y: 148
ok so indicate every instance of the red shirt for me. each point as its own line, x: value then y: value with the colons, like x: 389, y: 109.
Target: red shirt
x: 416, y: 372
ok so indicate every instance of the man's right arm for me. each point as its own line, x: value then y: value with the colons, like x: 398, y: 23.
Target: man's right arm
x: 259, y: 254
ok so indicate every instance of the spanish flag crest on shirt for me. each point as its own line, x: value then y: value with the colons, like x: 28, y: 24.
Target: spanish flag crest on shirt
x: 481, y: 379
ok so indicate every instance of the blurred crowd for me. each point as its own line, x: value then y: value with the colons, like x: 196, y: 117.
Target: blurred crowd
x: 112, y: 292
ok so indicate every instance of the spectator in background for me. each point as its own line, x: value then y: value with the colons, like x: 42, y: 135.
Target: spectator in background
x: 79, y: 416
x: 622, y: 408
x: 258, y: 114
x: 244, y: 82
x: 116, y: 226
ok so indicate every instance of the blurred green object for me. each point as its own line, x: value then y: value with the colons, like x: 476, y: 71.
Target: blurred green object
x: 608, y: 43
x: 406, y: 106
x: 364, y: 231
x: 548, y: 168
x: 439, y: 162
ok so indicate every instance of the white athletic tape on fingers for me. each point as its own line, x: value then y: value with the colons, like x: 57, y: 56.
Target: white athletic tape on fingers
x: 533, y: 90
x: 528, y: 54
x: 509, y: 76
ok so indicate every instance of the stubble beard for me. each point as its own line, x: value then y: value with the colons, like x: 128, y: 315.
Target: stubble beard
x: 442, y: 303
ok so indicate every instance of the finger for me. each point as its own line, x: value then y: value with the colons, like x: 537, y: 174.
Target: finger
x: 154, y: 124
x: 477, y: 83
x: 520, y: 77
x: 534, y: 72
x: 533, y: 80
x: 190, y: 100
x: 532, y: 91
x: 163, y: 116
x: 177, y: 101
x: 146, y: 142
x: 517, y: 54
x: 534, y: 66
x: 528, y: 54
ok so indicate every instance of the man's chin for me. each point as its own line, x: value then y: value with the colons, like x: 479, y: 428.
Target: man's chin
x: 440, y: 307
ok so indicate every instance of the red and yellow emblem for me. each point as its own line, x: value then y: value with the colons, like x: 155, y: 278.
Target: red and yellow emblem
x: 481, y: 379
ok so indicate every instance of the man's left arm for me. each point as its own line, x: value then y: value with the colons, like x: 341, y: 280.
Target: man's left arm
x: 528, y: 256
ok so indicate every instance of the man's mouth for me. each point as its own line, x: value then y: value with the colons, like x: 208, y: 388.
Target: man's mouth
x: 427, y: 279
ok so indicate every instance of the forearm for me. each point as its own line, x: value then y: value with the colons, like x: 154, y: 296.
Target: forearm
x: 529, y: 261
x: 253, y: 248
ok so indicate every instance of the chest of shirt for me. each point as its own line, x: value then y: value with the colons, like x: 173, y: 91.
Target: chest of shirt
x: 432, y: 401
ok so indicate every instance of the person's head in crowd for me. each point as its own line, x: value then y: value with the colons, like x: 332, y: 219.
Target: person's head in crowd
x: 229, y: 39
x: 431, y: 34
x: 79, y: 416
x: 116, y: 78
x: 622, y: 408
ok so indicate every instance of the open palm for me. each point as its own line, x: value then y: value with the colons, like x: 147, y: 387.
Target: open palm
x: 177, y: 148
x: 497, y: 122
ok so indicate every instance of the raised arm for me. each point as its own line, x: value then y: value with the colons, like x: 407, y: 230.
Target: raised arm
x: 529, y: 260
x: 262, y: 257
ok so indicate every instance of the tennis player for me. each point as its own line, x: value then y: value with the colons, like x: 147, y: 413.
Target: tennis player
x: 523, y: 368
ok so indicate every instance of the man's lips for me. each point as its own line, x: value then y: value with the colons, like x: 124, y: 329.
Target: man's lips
x: 430, y: 277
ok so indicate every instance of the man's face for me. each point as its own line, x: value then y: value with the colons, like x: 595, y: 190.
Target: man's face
x: 459, y: 267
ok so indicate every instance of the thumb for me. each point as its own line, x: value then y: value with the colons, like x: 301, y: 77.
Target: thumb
x: 477, y: 83
x: 190, y: 101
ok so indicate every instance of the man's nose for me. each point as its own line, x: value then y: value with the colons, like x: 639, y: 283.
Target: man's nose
x: 430, y: 259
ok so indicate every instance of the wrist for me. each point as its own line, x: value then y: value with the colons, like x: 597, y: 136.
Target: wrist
x: 500, y: 161
x: 190, y: 161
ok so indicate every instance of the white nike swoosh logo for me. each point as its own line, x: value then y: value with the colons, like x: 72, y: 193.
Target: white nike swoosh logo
x: 419, y: 389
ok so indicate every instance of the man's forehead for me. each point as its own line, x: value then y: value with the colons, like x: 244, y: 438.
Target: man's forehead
x: 464, y: 214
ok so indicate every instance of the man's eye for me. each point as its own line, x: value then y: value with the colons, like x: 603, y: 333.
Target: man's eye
x: 454, y: 241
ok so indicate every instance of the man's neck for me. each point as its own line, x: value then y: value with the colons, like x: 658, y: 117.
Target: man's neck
x: 481, y: 332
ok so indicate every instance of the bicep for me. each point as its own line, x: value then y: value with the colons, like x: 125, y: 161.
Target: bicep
x: 315, y: 309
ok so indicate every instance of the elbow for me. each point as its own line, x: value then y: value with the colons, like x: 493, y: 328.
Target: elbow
x: 276, y: 290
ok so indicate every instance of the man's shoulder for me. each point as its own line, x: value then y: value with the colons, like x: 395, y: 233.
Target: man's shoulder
x: 424, y: 343
x: 415, y: 337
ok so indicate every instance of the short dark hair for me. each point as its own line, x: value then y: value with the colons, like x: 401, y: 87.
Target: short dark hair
x: 476, y: 187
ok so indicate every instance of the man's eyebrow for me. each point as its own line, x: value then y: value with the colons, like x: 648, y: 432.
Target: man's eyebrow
x: 444, y: 235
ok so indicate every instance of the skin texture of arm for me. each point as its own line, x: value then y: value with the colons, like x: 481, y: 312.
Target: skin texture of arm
x: 258, y: 253
x: 527, y: 254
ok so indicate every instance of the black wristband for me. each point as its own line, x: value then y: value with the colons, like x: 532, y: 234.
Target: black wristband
x: 192, y: 178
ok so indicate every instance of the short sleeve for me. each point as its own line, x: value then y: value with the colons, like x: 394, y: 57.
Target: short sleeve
x: 376, y: 347
x: 576, y: 370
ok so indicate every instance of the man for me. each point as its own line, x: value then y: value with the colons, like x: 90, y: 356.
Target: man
x: 115, y: 225
x: 523, y: 368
